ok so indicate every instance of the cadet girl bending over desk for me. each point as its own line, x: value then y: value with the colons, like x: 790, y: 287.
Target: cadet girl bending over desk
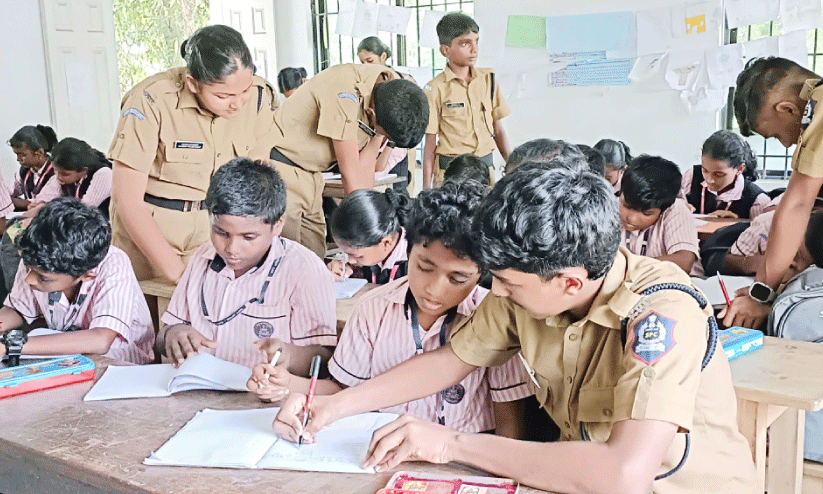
x: 175, y: 129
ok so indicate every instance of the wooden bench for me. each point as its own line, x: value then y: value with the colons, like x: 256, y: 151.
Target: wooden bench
x: 812, y: 477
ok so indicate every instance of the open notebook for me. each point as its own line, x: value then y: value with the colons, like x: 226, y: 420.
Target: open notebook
x: 711, y: 287
x: 203, y: 371
x: 245, y: 439
x: 347, y: 288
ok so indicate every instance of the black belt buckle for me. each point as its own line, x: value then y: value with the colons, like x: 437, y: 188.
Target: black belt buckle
x: 173, y: 204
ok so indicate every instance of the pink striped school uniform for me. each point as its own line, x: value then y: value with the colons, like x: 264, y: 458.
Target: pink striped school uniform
x: 298, y: 301
x: 99, y: 188
x: 728, y: 197
x: 379, y: 336
x: 674, y: 231
x: 753, y: 240
x: 111, y: 300
x: 6, y: 206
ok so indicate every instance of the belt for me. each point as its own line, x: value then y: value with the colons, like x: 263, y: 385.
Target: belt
x: 174, y: 204
x: 278, y: 156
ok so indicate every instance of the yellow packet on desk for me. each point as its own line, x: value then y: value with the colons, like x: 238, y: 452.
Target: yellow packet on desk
x: 14, y: 229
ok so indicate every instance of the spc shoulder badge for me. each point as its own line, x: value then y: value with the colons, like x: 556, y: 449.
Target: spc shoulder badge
x: 652, y: 337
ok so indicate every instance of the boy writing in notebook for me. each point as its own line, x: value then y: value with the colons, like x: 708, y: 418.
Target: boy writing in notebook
x: 83, y: 287
x: 619, y: 372
x: 414, y: 315
x: 465, y: 103
x: 654, y: 221
x: 251, y: 292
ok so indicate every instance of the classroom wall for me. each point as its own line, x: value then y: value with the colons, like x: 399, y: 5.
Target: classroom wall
x: 295, y: 46
x: 23, y: 72
x: 655, y: 122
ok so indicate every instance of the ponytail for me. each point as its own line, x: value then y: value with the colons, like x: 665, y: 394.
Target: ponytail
x: 34, y: 137
x: 617, y: 153
x: 75, y: 155
x: 725, y: 145
x: 365, y: 217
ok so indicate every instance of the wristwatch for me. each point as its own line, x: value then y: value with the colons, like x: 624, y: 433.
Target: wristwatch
x: 761, y: 292
x: 14, y: 339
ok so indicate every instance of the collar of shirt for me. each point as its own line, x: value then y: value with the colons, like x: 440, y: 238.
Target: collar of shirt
x: 808, y: 88
x: 399, y: 253
x: 395, y: 292
x: 449, y: 74
x: 85, y: 289
x: 187, y: 99
x: 734, y: 193
x: 367, y: 79
x: 218, y: 265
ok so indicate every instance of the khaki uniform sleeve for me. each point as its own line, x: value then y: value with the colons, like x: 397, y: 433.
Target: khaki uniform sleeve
x: 664, y: 348
x: 433, y: 95
x: 489, y: 337
x: 339, y: 110
x: 138, y: 132
x: 499, y: 107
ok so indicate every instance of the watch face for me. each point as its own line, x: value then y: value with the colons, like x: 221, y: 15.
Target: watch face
x: 760, y: 292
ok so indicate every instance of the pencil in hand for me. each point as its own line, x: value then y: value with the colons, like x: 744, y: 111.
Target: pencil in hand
x: 314, y: 372
x: 274, y: 360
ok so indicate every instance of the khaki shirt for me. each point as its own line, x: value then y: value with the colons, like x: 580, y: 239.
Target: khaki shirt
x: 808, y: 154
x: 163, y: 132
x: 586, y: 374
x: 327, y: 106
x: 463, y: 114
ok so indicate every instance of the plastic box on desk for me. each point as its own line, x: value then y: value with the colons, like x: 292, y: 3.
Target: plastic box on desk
x: 737, y: 341
x: 45, y: 374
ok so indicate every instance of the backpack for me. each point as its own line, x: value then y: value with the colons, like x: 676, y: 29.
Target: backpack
x: 797, y: 314
x: 713, y: 248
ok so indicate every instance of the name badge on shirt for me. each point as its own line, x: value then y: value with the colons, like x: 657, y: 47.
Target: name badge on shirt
x: 188, y: 145
x: 455, y: 105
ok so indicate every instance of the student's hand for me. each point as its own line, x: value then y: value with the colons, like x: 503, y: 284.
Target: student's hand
x: 289, y: 421
x: 32, y: 209
x: 183, y: 341
x: 722, y: 213
x: 339, y: 270
x: 269, y: 383
x: 269, y: 347
x: 409, y: 439
x: 691, y: 208
x: 745, y: 312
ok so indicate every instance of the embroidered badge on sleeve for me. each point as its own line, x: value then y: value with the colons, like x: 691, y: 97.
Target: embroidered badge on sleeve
x: 652, y: 337
x: 349, y: 96
x: 135, y: 112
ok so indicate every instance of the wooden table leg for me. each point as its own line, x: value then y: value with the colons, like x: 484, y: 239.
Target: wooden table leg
x: 785, y: 472
x: 752, y: 420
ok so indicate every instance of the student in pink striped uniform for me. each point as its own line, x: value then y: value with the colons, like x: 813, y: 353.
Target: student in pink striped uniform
x: 414, y: 315
x: 251, y: 292
x: 82, y: 286
x: 655, y: 223
x: 368, y: 228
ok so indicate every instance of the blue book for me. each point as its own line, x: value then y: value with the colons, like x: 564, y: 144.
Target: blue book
x: 737, y: 341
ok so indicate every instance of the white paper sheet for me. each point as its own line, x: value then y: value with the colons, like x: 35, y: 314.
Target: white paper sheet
x: 347, y: 288
x: 698, y: 95
x: 345, y: 17
x: 653, y: 30
x: 698, y: 222
x: 763, y: 47
x: 746, y: 12
x: 723, y: 64
x: 648, y: 67
x: 421, y: 75
x: 682, y: 69
x: 393, y: 19
x: 799, y: 15
x: 711, y: 287
x: 80, y: 87
x: 428, y: 29
x: 793, y: 46
x: 365, y: 20
x: 244, y: 439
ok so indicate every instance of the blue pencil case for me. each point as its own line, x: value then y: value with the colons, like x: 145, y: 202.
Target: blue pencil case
x: 45, y: 374
x: 737, y: 341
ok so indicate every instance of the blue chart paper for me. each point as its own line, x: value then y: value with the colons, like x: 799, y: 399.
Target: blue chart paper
x: 593, y: 73
x: 589, y: 33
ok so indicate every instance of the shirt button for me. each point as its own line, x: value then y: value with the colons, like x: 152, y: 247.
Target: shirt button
x: 570, y: 379
x: 185, y: 157
x: 122, y: 136
x: 607, y: 412
x: 648, y: 372
x: 573, y: 337
x: 219, y: 155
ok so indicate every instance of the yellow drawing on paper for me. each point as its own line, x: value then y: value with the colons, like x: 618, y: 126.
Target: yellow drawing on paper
x: 696, y: 24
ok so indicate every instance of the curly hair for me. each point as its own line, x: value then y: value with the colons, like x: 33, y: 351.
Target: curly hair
x: 243, y: 187
x: 444, y: 215
x: 65, y: 237
x: 542, y: 220
x: 548, y: 151
x: 402, y: 109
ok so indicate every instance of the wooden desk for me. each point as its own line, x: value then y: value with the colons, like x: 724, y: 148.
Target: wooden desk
x: 775, y: 386
x: 334, y: 187
x: 714, y: 224
x: 346, y: 306
x: 51, y: 441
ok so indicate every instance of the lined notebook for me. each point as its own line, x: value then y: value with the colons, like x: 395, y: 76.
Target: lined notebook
x: 204, y: 371
x: 347, y: 288
x: 245, y: 439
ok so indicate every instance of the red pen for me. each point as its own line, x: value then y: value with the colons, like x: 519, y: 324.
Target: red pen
x: 725, y: 293
x: 314, y: 371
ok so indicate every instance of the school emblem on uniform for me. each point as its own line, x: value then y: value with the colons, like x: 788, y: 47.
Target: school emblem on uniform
x: 347, y: 96
x: 134, y: 111
x: 653, y: 337
x: 454, y: 395
x: 263, y: 329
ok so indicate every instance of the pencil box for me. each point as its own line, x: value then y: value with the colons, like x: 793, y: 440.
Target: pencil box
x: 425, y: 483
x: 737, y: 341
x: 45, y: 374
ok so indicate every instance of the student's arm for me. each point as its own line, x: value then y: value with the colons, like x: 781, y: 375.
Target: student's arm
x: 785, y: 236
x: 741, y: 265
x: 626, y: 463
x: 94, y: 341
x: 10, y: 319
x: 383, y: 158
x: 431, y: 371
x: 281, y: 382
x: 508, y: 418
x: 99, y: 189
x: 357, y: 167
x: 428, y: 160
x: 296, y: 358
x: 683, y: 258
x: 502, y: 140
x: 128, y: 188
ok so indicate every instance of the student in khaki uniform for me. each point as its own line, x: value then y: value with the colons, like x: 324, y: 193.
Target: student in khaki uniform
x: 344, y: 114
x: 176, y: 128
x: 776, y: 97
x: 465, y: 103
x: 626, y: 408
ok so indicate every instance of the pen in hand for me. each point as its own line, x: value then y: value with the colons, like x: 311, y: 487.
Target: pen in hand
x: 314, y: 371
x: 725, y: 293
x: 274, y: 360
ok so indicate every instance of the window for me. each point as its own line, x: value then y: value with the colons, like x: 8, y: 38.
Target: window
x: 775, y: 160
x: 332, y: 49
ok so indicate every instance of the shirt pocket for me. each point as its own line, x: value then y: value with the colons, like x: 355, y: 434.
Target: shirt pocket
x: 242, y: 147
x: 266, y: 321
x: 596, y: 411
x: 189, y: 167
x: 455, y: 113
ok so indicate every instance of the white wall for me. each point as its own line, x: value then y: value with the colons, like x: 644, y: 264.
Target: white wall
x: 648, y: 121
x: 295, y: 45
x: 25, y: 98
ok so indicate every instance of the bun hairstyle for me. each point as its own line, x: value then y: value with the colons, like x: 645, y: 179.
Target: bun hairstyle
x: 617, y: 153
x: 215, y: 52
x: 375, y: 45
x: 34, y: 137
x: 725, y: 145
x: 75, y: 155
x: 365, y: 217
x: 290, y: 78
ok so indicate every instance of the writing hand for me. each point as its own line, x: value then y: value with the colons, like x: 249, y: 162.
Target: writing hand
x: 409, y: 439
